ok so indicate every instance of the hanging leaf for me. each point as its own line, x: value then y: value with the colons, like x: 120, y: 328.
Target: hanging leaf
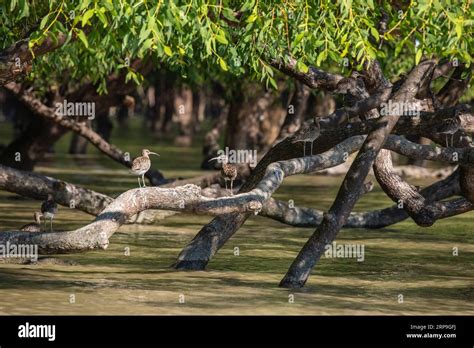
x: 44, y: 21
x: 223, y: 64
x: 82, y: 37
x: 418, y: 56
x: 167, y: 50
x: 88, y: 15
x: 302, y: 66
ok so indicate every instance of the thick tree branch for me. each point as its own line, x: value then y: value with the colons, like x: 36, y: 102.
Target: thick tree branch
x: 314, y: 78
x: 347, y: 196
x: 424, y: 213
x: 80, y: 128
x: 17, y: 60
x: 308, y: 217
x: 36, y: 186
x: 186, y: 198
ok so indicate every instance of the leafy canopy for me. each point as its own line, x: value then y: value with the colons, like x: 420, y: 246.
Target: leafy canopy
x: 235, y: 37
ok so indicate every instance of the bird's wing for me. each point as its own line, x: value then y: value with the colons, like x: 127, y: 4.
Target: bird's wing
x: 135, y: 164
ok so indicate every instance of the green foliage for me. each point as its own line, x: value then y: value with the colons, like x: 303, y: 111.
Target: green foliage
x: 235, y: 37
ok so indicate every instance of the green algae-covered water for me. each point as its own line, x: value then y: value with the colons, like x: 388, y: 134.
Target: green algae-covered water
x: 133, y: 276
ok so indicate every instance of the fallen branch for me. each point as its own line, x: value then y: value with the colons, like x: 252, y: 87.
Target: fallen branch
x: 36, y: 186
x: 186, y: 198
x: 308, y: 217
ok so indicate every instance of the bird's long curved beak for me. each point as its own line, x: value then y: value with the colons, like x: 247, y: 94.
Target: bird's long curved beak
x: 212, y: 159
x: 154, y: 153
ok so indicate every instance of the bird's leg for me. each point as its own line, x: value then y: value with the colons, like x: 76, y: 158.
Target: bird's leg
x: 143, y: 178
x: 312, y: 147
x: 139, y: 182
x: 304, y: 148
x: 225, y: 182
x: 231, y: 192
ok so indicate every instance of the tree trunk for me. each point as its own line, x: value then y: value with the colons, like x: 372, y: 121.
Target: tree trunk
x: 296, y: 111
x: 104, y: 126
x: 183, y: 106
x: 78, y: 145
x: 211, y: 139
x: 349, y: 191
x: 254, y: 119
x: 38, y: 138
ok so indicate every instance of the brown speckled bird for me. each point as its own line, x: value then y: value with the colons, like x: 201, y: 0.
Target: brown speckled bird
x: 448, y: 127
x: 33, y: 226
x: 49, y: 208
x: 309, y: 132
x: 228, y: 171
x: 142, y: 164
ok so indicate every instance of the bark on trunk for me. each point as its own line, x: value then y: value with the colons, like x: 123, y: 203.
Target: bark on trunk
x: 212, y: 236
x: 348, y: 194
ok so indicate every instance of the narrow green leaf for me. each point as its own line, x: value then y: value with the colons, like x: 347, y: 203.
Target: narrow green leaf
x: 88, y: 15
x: 82, y: 37
x: 223, y: 64
x: 418, y: 55
x: 302, y: 66
x: 252, y: 18
x: 44, y: 21
x: 222, y: 39
x: 167, y: 50
x: 374, y: 33
x: 458, y: 29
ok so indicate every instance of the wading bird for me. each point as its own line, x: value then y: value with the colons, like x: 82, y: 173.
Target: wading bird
x: 142, y: 164
x: 309, y: 132
x: 228, y: 171
x: 33, y: 226
x: 448, y: 127
x: 49, y: 208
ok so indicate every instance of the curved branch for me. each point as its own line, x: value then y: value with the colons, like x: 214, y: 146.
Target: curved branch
x: 17, y: 60
x: 308, y: 217
x: 36, y: 186
x: 80, y: 128
x: 413, y: 150
x: 186, y: 198
x: 314, y: 78
x: 455, y: 87
x: 424, y: 213
x: 347, y: 196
